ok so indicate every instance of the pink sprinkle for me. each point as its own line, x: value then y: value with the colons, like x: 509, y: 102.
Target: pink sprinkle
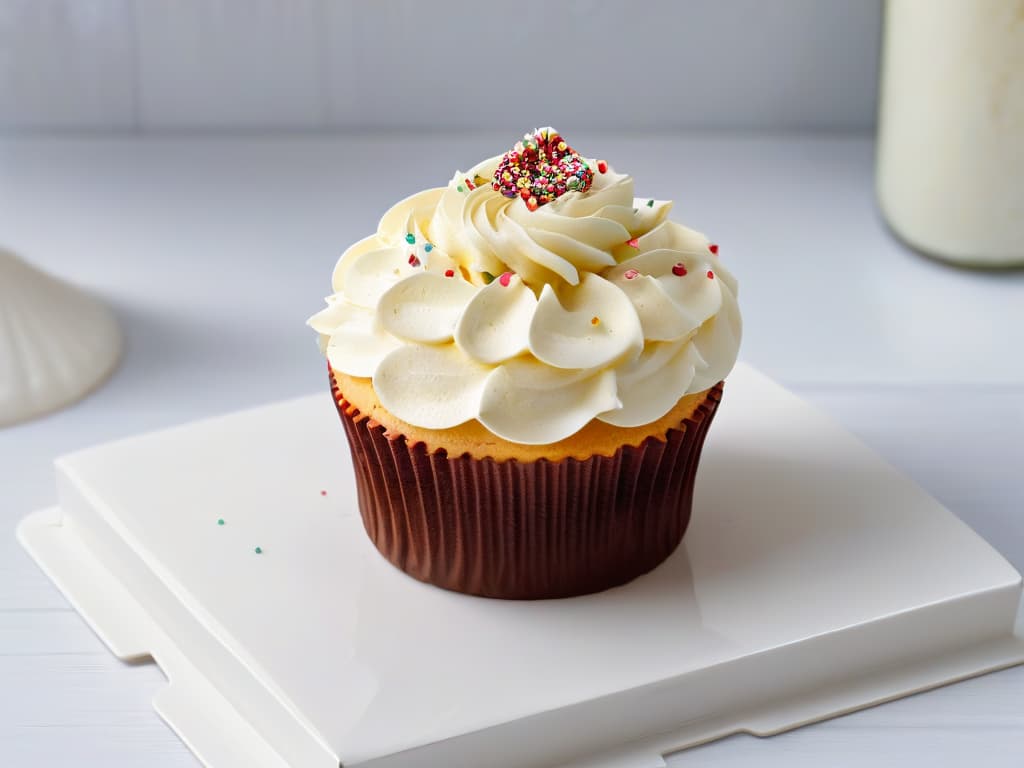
x: 413, y: 260
x: 449, y: 273
x: 630, y: 274
x: 634, y: 243
x: 679, y: 270
x: 323, y: 493
x: 505, y: 279
x: 713, y: 248
x: 711, y: 275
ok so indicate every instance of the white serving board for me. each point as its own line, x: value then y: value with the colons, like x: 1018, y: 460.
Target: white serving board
x: 814, y: 580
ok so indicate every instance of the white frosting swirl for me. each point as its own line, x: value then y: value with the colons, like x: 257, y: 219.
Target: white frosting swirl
x: 467, y: 305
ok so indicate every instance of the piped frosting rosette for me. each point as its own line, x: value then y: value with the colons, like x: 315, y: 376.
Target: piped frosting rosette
x: 532, y: 315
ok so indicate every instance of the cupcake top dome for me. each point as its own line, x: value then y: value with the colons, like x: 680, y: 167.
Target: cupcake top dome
x: 533, y: 293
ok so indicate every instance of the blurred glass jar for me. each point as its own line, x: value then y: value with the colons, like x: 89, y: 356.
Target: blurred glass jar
x: 951, y: 128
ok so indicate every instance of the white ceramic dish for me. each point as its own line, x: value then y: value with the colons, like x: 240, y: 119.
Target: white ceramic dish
x: 57, y: 343
x: 814, y: 580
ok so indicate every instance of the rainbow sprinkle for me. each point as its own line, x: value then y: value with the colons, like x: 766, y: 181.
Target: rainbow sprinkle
x: 541, y: 168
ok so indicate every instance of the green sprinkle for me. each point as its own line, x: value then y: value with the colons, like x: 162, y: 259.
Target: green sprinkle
x: 461, y: 188
x: 220, y: 521
x: 410, y: 238
x: 488, y: 277
x: 636, y: 210
x: 258, y: 550
x: 650, y: 203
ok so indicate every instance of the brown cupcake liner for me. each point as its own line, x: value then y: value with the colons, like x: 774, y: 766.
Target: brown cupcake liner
x: 525, y: 529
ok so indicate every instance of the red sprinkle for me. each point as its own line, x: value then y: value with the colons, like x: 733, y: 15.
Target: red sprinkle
x: 602, y: 166
x: 711, y: 275
x: 505, y: 279
x: 630, y: 274
x: 449, y: 273
x: 634, y: 243
x: 413, y: 260
x: 713, y: 248
x: 469, y: 183
x: 532, y: 204
x: 679, y: 270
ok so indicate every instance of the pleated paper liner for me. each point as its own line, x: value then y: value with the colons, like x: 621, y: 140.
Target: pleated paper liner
x: 525, y: 529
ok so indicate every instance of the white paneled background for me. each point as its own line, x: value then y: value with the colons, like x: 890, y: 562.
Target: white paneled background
x: 195, y: 65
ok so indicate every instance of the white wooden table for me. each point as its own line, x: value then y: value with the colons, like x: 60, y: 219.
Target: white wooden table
x: 214, y: 251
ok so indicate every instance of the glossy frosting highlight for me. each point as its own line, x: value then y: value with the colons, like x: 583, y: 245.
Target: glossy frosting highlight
x: 466, y: 304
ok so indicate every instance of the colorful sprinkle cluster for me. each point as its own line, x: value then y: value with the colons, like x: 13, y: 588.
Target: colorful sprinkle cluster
x: 541, y: 168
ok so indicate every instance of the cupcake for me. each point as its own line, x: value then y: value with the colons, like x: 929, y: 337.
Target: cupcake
x: 526, y: 362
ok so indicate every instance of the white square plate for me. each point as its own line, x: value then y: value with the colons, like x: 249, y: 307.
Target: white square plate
x: 814, y: 580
